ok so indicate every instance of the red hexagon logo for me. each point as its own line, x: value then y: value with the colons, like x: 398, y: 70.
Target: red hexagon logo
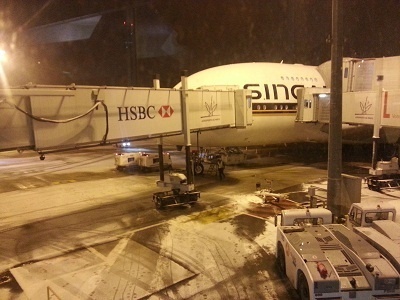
x: 165, y: 111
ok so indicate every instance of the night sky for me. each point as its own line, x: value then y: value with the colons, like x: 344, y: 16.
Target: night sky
x: 202, y: 34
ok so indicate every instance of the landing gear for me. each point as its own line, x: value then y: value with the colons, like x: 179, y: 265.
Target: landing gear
x: 198, y: 168
x: 42, y: 157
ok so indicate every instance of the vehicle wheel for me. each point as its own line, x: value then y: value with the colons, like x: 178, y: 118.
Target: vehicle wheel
x: 159, y: 204
x: 280, y: 257
x: 302, y: 287
x: 198, y: 169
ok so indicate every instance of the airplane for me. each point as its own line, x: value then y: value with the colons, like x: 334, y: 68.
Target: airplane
x: 274, y: 104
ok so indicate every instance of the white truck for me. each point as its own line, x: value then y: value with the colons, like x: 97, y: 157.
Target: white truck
x: 141, y: 160
x: 329, y: 261
x: 386, y: 175
x: 376, y: 223
x: 180, y: 193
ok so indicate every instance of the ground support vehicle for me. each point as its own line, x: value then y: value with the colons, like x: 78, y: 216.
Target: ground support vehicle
x: 149, y: 161
x: 181, y: 192
x: 126, y: 160
x: 379, y: 183
x: 376, y: 224
x: 142, y: 161
x: 230, y: 156
x: 329, y: 261
x: 385, y: 176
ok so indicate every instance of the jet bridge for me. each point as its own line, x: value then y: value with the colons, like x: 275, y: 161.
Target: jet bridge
x: 371, y: 93
x: 364, y: 107
x: 50, y: 118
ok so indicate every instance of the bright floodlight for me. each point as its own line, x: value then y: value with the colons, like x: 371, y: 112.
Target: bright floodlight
x: 3, y: 56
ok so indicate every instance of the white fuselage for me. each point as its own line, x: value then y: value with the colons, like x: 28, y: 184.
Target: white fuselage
x: 274, y: 104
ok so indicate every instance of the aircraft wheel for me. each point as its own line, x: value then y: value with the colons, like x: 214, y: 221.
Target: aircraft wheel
x: 198, y: 169
x: 281, y: 259
x: 302, y: 287
x: 42, y: 157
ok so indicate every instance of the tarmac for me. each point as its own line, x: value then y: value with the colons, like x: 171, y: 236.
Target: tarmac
x: 100, y: 270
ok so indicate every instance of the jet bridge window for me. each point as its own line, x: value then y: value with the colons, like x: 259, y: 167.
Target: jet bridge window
x: 307, y: 103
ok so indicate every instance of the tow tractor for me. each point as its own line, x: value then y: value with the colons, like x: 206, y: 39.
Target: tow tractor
x: 376, y: 224
x: 181, y: 192
x: 323, y: 260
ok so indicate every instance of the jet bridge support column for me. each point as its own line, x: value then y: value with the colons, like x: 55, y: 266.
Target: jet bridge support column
x: 186, y: 127
x: 161, y: 158
x: 156, y: 85
x: 377, y: 122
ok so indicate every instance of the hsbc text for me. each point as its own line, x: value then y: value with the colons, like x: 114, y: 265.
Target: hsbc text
x: 131, y: 113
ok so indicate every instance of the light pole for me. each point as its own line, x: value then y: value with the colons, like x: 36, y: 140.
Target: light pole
x: 334, y: 193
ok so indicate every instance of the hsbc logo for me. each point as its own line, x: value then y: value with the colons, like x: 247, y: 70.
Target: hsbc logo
x: 165, y: 111
x: 132, y: 113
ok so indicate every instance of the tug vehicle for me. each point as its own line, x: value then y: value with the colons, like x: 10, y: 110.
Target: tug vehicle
x: 377, y: 225
x: 181, y: 192
x: 323, y: 260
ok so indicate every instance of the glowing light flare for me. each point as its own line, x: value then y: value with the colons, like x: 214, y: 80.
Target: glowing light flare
x: 3, y: 56
x: 3, y: 77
